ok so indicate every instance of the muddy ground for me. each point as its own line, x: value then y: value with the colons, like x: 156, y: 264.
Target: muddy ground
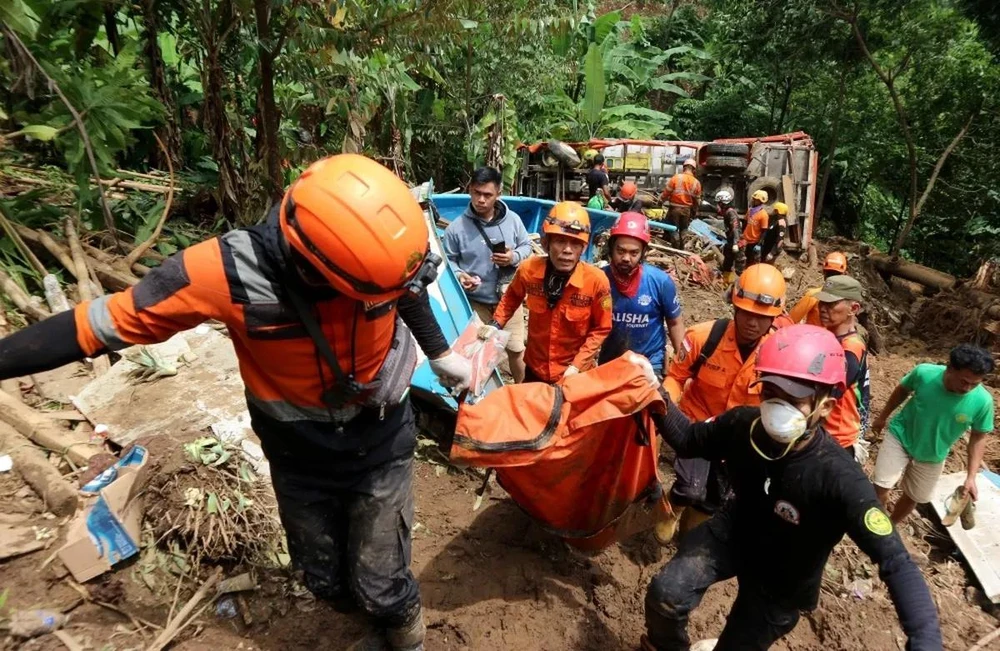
x: 492, y: 580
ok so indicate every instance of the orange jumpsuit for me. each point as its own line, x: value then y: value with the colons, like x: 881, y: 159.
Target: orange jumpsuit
x: 571, y: 332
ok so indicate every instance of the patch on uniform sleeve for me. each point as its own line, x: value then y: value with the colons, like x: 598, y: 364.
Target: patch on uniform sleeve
x: 606, y: 302
x: 161, y: 283
x: 878, y: 522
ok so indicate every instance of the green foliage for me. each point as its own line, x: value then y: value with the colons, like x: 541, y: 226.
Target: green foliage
x: 416, y: 84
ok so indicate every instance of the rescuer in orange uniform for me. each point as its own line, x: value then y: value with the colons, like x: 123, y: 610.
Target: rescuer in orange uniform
x: 683, y: 196
x: 839, y: 303
x: 315, y: 300
x: 714, y: 372
x: 807, y: 308
x: 757, y: 222
x: 569, y: 301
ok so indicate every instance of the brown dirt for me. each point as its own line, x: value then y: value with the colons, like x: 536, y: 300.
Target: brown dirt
x: 492, y: 580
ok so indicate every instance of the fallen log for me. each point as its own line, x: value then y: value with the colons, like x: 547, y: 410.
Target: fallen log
x: 55, y: 249
x: 45, y: 431
x: 88, y: 290
x: 111, y: 278
x: 913, y: 271
x: 103, y: 256
x: 32, y: 464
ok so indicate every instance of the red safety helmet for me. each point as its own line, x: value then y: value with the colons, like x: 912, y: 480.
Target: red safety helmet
x: 836, y: 262
x: 628, y: 190
x: 359, y: 226
x: 803, y: 352
x: 631, y: 224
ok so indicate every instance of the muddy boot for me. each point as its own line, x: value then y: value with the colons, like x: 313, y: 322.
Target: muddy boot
x: 646, y: 645
x: 373, y: 641
x: 408, y: 636
x: 665, y: 529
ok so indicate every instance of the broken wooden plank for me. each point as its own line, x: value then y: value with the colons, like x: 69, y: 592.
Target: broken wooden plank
x: 18, y: 540
x: 44, y: 431
x: 33, y: 466
x: 980, y: 545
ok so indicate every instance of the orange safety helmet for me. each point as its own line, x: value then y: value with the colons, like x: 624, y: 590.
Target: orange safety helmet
x: 628, y: 190
x: 568, y: 218
x: 835, y: 261
x: 358, y: 225
x: 761, y: 290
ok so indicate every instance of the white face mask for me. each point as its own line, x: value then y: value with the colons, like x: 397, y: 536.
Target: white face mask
x: 783, y: 422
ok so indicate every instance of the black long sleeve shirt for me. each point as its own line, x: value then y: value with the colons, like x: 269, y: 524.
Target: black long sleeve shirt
x: 789, y: 514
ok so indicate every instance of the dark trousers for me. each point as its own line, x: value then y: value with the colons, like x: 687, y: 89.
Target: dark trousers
x: 733, y: 261
x: 708, y: 555
x: 751, y: 253
x: 679, y: 216
x: 350, y: 532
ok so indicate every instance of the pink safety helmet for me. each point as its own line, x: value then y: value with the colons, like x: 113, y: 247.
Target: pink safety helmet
x: 799, y: 357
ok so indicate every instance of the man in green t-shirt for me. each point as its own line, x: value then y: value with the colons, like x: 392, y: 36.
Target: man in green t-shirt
x: 944, y: 403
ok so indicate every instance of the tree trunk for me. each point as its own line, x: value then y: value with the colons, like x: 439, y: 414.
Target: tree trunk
x: 919, y: 205
x: 111, y: 28
x: 213, y: 36
x: 169, y: 133
x: 786, y: 97
x: 834, y: 137
x: 918, y: 273
x: 269, y: 119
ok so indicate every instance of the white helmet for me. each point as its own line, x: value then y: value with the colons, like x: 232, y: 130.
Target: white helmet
x: 724, y: 196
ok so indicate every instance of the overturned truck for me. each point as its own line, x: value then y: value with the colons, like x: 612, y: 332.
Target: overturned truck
x: 785, y: 166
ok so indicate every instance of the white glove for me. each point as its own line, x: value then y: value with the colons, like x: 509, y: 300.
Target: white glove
x: 736, y: 248
x: 570, y: 371
x: 486, y: 331
x: 645, y: 366
x: 453, y: 371
x: 861, y: 448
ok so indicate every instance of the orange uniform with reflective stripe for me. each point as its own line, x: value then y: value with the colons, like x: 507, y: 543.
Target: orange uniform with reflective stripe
x: 724, y: 380
x: 229, y: 279
x: 807, y: 309
x: 682, y: 189
x: 569, y: 334
x: 849, y: 417
x: 757, y: 221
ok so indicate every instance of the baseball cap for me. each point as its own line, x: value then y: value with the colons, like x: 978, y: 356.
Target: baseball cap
x: 840, y: 288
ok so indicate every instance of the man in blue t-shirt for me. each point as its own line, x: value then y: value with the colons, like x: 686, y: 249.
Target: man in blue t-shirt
x: 643, y: 297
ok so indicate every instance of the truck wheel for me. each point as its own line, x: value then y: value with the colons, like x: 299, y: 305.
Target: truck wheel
x: 726, y: 149
x: 564, y: 153
x: 768, y: 184
x: 726, y: 163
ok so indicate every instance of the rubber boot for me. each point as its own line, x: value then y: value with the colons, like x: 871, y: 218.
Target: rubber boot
x: 409, y: 636
x: 665, y: 529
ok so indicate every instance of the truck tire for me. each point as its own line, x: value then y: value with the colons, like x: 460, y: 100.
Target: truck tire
x: 564, y: 153
x: 726, y: 163
x: 726, y: 149
x: 768, y: 184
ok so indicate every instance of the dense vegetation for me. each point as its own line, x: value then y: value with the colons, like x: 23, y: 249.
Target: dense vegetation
x: 240, y: 95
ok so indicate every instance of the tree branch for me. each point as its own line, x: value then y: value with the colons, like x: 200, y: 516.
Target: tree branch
x: 109, y: 220
x: 944, y: 157
x: 137, y: 252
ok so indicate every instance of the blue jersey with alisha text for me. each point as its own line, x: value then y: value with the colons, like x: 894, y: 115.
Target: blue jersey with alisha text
x: 637, y: 323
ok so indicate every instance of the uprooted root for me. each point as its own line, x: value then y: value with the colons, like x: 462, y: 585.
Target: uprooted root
x: 215, y: 508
